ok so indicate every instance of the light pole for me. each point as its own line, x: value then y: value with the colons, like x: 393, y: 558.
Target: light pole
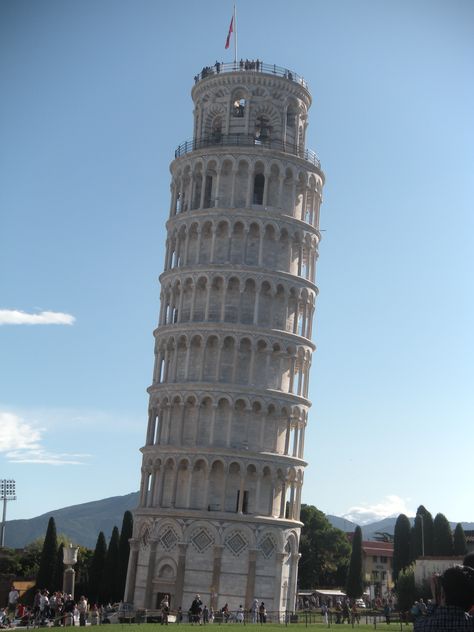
x: 7, y: 492
x: 69, y: 559
x: 422, y: 536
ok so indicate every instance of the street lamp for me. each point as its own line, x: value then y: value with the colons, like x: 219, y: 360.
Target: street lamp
x: 422, y: 536
x: 7, y: 492
x: 69, y: 559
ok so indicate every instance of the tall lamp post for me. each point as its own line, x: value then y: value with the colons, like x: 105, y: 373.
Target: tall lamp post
x: 422, y: 536
x: 69, y: 577
x: 7, y: 492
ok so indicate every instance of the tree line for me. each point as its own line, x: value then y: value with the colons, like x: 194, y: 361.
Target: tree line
x: 427, y: 536
x: 100, y: 573
x: 329, y: 560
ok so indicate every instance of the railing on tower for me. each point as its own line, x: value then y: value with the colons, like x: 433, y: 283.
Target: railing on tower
x: 243, y: 140
x: 252, y: 66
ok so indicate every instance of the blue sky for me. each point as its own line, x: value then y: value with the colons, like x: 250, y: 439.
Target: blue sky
x: 95, y: 98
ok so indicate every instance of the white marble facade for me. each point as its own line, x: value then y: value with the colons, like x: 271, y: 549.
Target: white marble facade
x: 223, y: 462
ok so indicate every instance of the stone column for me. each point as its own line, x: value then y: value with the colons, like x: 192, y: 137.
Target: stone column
x: 182, y: 546
x: 131, y: 571
x: 280, y: 559
x: 150, y: 574
x: 216, y: 575
x: 250, y: 589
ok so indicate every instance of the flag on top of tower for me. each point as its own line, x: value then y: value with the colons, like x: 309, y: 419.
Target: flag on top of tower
x: 231, y: 29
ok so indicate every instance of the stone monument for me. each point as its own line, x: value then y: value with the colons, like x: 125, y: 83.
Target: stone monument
x: 223, y: 461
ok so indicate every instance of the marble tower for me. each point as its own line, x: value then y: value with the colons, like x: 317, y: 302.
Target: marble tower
x: 223, y: 462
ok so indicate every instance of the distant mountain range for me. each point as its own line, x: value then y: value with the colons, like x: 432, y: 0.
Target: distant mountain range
x: 82, y: 523
x: 386, y: 525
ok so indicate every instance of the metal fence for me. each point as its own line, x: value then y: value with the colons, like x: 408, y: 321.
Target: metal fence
x: 250, y: 66
x: 244, y: 140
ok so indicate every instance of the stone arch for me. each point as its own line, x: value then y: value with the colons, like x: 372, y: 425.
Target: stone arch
x: 205, y: 420
x: 239, y: 438
x: 288, y: 192
x: 167, y: 483
x: 258, y: 183
x: 267, y: 123
x: 232, y: 300
x: 210, y: 181
x: 232, y: 487
x: 265, y: 304
x: 222, y: 422
x: 242, y: 176
x: 205, y: 242
x: 237, y: 243
x: 238, y: 104
x: 198, y: 484
x: 190, y: 420
x: 210, y: 364
x: 249, y: 502
x: 266, y: 492
x: 253, y: 244
x: 273, y: 196
x: 192, y: 254
x: 197, y: 178
x: 200, y: 296
x: 213, y: 122
x: 216, y: 486
x: 248, y: 302
x: 270, y: 252
x: 225, y: 183
x: 216, y: 289
x: 196, y: 357
x: 227, y: 359
x: 243, y: 360
x: 183, y: 482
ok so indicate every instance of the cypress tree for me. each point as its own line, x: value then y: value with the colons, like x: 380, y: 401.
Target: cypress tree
x: 443, y: 537
x: 124, y: 551
x: 47, y: 566
x: 108, y: 590
x: 422, y: 534
x: 405, y: 589
x: 460, y: 545
x: 355, y: 580
x: 401, y: 545
x: 97, y: 568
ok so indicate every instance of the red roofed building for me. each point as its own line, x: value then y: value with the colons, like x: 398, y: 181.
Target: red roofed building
x: 377, y: 565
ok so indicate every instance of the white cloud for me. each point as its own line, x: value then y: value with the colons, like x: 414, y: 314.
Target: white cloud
x: 391, y: 505
x: 22, y: 442
x: 16, y: 434
x: 17, y: 317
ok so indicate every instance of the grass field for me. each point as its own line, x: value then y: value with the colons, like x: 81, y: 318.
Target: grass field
x: 268, y: 627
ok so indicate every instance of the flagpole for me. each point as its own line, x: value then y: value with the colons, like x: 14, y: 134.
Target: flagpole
x: 235, y: 37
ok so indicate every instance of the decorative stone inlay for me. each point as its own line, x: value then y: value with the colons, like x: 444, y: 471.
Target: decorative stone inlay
x: 267, y: 546
x: 201, y: 540
x: 236, y: 543
x: 168, y: 539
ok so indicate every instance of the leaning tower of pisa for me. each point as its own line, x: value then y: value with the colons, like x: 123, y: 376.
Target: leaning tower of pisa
x: 223, y: 462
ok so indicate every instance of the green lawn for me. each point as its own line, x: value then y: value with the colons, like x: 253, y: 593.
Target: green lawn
x: 268, y: 627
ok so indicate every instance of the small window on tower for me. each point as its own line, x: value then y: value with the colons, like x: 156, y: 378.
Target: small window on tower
x: 290, y: 118
x: 262, y: 129
x: 216, y: 129
x: 258, y: 187
x: 208, y: 192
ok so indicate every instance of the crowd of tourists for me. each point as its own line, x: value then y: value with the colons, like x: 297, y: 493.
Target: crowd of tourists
x: 450, y: 610
x: 200, y: 614
x: 57, y: 609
